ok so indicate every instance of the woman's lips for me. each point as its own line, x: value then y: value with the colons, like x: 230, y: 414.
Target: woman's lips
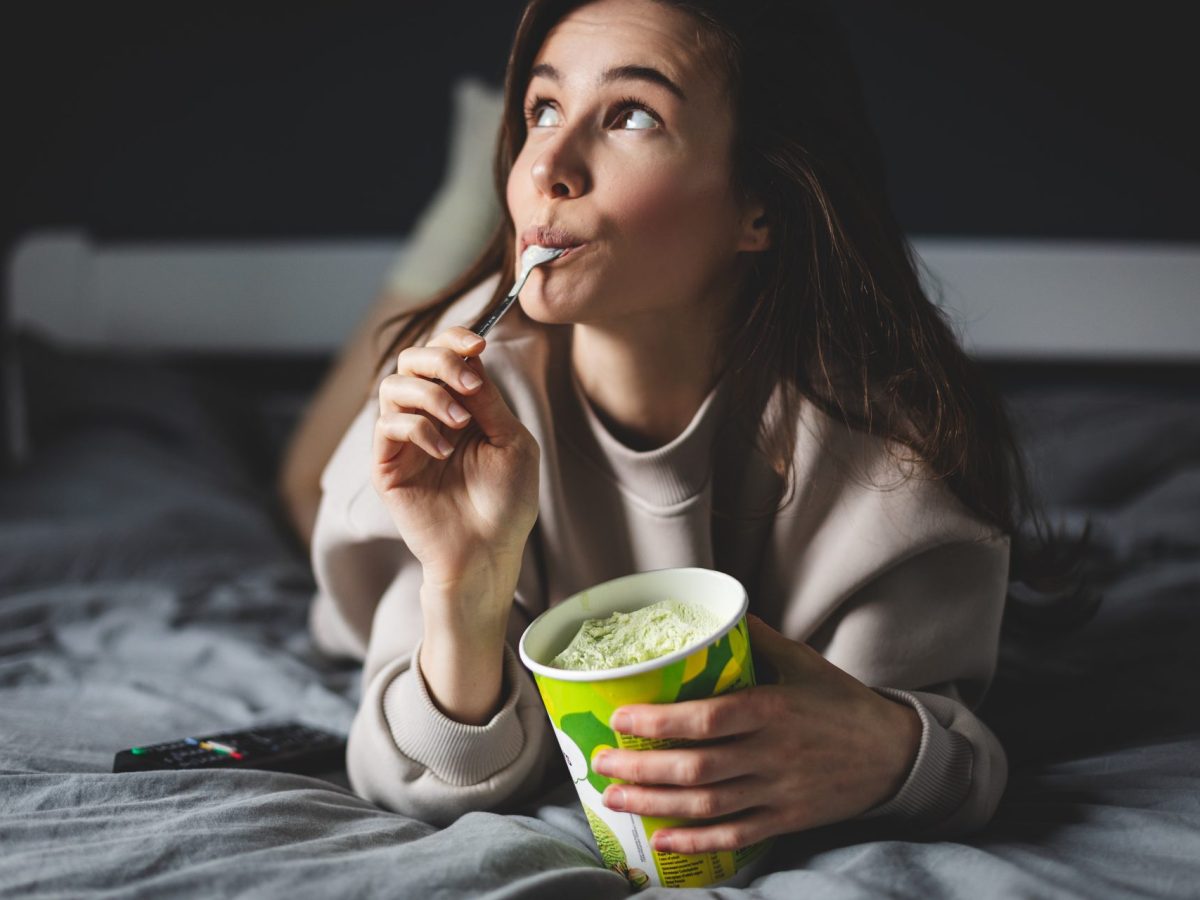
x: 546, y: 236
x: 566, y: 253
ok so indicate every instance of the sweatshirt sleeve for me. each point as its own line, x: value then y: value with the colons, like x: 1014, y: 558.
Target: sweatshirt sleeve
x: 925, y: 633
x: 406, y: 755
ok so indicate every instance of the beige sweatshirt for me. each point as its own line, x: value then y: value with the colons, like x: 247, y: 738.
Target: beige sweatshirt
x: 891, y: 579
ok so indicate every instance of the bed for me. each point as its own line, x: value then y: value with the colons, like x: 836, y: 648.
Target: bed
x: 149, y: 590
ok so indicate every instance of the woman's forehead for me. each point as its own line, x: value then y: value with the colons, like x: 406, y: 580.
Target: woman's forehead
x: 609, y: 35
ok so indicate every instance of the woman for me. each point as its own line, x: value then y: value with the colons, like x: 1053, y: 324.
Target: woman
x: 735, y: 367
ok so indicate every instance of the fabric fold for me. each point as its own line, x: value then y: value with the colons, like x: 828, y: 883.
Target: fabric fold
x: 940, y: 777
x: 458, y: 753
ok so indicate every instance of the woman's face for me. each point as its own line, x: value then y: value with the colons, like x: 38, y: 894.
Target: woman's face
x: 628, y: 154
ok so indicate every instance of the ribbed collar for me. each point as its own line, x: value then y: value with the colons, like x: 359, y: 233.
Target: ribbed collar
x: 663, y: 477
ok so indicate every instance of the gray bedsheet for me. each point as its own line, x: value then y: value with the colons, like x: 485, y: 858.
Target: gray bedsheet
x: 147, y: 592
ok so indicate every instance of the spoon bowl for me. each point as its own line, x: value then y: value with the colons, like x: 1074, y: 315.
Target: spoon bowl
x: 534, y: 256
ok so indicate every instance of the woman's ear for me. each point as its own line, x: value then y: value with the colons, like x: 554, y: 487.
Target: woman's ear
x: 755, y: 229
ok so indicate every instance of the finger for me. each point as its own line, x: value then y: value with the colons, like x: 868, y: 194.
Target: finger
x: 713, y: 717
x: 706, y: 802
x: 483, y: 400
x: 404, y: 392
x: 734, y: 834
x: 490, y: 411
x: 441, y: 364
x: 685, y: 766
x: 394, y: 430
x: 460, y: 339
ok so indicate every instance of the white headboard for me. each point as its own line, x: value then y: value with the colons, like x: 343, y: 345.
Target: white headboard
x: 1070, y: 300
x: 1011, y: 299
x: 293, y: 296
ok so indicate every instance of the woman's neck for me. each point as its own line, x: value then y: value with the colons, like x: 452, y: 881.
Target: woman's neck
x: 645, y: 381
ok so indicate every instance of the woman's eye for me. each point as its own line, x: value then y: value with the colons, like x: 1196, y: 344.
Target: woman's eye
x: 539, y: 116
x: 636, y: 119
x: 631, y: 116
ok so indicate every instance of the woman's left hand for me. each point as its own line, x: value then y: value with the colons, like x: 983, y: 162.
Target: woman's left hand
x: 816, y: 748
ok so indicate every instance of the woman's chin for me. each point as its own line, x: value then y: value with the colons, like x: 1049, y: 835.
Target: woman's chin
x: 552, y: 310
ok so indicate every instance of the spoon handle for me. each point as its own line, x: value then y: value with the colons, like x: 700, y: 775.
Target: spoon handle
x: 534, y: 257
x: 500, y: 310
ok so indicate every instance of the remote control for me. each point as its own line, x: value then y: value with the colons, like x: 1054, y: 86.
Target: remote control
x: 290, y: 747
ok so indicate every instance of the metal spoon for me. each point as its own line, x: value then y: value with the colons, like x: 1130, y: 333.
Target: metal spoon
x: 534, y: 256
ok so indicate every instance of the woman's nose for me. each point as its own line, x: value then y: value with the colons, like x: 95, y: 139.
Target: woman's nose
x: 560, y: 170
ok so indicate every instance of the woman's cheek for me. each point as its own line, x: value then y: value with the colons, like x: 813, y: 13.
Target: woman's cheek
x: 669, y: 216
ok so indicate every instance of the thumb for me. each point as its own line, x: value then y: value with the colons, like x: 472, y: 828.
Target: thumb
x: 488, y: 408
x: 788, y: 658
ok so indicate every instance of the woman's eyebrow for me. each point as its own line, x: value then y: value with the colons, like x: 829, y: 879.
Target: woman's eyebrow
x: 617, y: 73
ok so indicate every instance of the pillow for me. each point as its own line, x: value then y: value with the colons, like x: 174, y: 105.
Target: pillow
x: 453, y: 229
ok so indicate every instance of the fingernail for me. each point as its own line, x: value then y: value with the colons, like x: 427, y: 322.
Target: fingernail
x: 600, y: 763
x: 444, y: 447
x: 620, y: 721
x: 471, y: 381
x: 614, y: 798
x: 662, y: 844
x: 458, y: 414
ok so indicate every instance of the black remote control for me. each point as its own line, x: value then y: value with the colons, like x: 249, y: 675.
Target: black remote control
x: 289, y: 747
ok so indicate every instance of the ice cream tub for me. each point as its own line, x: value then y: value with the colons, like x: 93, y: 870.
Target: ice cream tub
x: 580, y: 704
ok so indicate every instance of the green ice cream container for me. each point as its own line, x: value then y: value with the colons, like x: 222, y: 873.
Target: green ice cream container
x: 580, y: 704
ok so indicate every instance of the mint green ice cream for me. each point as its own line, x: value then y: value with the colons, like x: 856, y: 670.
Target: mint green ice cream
x: 624, y: 639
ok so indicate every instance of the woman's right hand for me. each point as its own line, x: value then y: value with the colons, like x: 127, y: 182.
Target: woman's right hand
x: 463, y: 491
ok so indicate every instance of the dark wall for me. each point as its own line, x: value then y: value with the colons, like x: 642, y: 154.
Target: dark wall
x: 1017, y: 119
x: 1032, y: 118
x: 305, y: 120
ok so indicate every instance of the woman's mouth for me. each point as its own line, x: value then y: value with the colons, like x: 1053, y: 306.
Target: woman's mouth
x: 545, y: 236
x: 566, y: 253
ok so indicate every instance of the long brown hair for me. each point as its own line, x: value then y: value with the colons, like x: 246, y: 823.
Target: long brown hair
x: 834, y: 312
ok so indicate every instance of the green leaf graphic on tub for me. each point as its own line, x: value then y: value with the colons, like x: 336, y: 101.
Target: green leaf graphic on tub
x: 589, y: 735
